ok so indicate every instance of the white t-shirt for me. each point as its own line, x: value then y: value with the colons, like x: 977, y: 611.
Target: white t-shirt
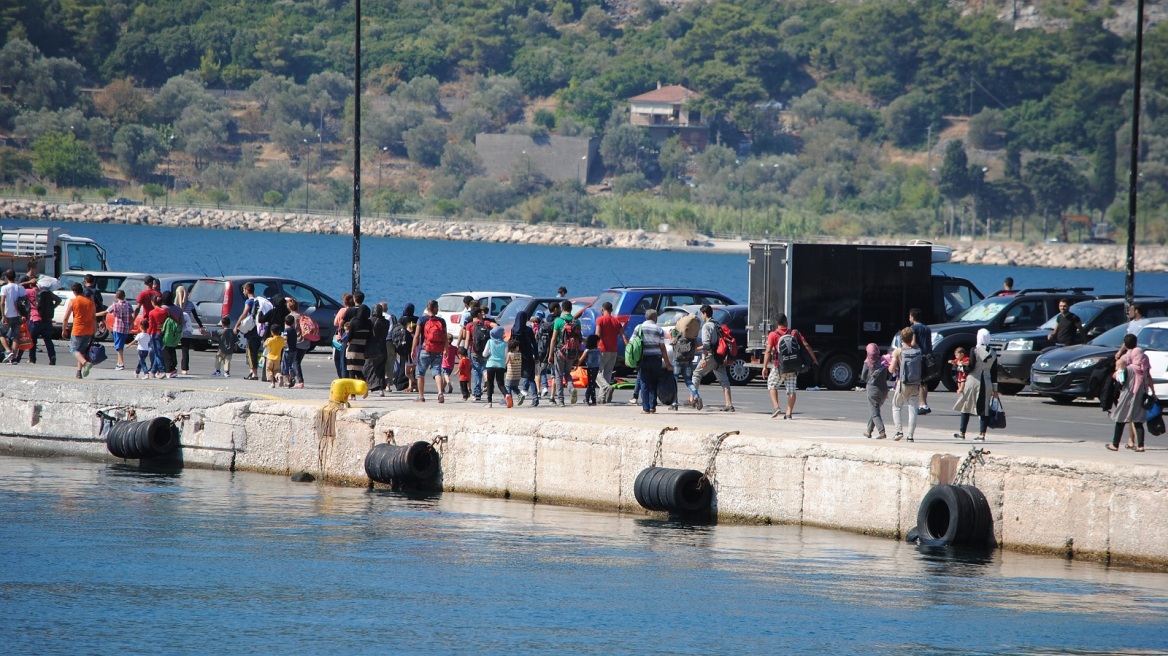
x: 143, y: 340
x: 10, y: 291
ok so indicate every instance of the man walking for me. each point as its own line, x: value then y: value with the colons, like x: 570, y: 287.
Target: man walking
x: 474, y: 337
x: 711, y: 361
x: 653, y: 358
x: 565, y: 350
x: 1068, y: 327
x: 610, y: 331
x: 907, y: 364
x: 777, y: 378
x: 9, y: 293
x: 79, y: 324
x: 924, y: 342
x: 40, y: 321
x: 432, y: 337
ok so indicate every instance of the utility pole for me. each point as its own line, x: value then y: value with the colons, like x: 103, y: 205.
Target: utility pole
x: 356, y: 147
x: 1129, y: 284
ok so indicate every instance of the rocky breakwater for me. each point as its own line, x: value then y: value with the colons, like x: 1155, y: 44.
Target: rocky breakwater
x: 435, y: 228
x: 1108, y: 257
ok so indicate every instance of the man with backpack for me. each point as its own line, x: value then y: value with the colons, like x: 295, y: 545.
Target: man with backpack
x: 908, y: 364
x: 566, y: 344
x: 787, y: 355
x: 543, y: 345
x: 924, y: 341
x: 474, y: 336
x: 40, y: 324
x: 685, y: 335
x: 714, y: 338
x: 431, y: 335
x: 653, y: 358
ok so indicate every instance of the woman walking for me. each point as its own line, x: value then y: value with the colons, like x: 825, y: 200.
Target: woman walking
x: 981, y: 387
x: 188, y: 308
x: 375, y: 351
x: 526, y: 336
x: 875, y: 377
x: 1131, y: 374
x: 359, y: 329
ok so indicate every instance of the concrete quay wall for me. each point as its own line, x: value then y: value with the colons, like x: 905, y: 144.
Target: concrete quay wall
x: 1075, y: 507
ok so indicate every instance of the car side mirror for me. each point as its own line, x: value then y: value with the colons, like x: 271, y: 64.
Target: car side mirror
x: 1009, y: 321
x: 1095, y: 332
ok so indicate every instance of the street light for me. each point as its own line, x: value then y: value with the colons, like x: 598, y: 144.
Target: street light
x: 585, y: 179
x: 169, y: 149
x: 307, y: 161
x: 380, y: 159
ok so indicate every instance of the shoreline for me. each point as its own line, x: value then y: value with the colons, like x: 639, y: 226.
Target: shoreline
x: 1105, y: 257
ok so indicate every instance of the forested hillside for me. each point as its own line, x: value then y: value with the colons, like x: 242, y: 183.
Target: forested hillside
x: 882, y: 117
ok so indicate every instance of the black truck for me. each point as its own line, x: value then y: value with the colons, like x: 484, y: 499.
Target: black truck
x: 844, y: 296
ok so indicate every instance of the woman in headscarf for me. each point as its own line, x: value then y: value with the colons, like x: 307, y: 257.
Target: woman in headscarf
x: 359, y: 329
x: 375, y: 351
x: 408, y: 356
x: 875, y: 377
x: 1131, y: 374
x: 526, y: 336
x: 981, y: 386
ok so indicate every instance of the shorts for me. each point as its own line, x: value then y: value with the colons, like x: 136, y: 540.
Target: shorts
x: 428, y: 361
x: 787, y: 382
x: 80, y: 344
x: 121, y: 339
x: 446, y: 371
x: 12, y: 327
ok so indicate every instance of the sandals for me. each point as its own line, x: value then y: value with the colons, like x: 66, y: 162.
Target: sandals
x: 251, y: 376
x: 1112, y: 447
x: 1139, y: 449
x: 420, y: 399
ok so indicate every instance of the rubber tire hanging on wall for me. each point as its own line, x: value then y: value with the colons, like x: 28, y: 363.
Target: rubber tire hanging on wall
x: 673, y: 490
x: 413, y: 463
x: 142, y: 439
x: 954, y: 515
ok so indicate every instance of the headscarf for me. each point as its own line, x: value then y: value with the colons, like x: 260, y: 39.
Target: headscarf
x: 983, y: 337
x: 497, y: 332
x: 1139, y: 363
x: 408, y: 311
x: 520, y: 322
x: 873, y: 359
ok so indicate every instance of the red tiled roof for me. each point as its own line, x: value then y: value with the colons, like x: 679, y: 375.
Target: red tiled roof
x: 674, y: 93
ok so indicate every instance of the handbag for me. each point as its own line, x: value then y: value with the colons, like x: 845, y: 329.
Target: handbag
x: 96, y: 353
x: 1150, y: 401
x: 24, y: 340
x: 1156, y: 425
x: 997, y: 417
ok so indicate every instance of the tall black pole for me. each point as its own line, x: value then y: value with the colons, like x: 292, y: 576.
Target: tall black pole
x: 1129, y: 285
x: 357, y: 147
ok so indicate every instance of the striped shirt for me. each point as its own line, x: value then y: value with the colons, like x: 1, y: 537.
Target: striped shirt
x: 123, y: 317
x: 652, y: 337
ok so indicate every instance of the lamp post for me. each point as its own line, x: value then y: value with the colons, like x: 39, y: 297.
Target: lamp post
x: 1129, y: 283
x: 976, y: 198
x: 73, y: 159
x: 583, y: 180
x: 356, y: 146
x: 380, y: 160
x: 169, y: 149
x: 307, y: 162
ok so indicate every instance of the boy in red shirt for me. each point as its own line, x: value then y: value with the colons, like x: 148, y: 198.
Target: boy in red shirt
x: 464, y: 373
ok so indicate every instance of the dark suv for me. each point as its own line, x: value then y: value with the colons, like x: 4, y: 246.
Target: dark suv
x: 1026, y: 310
x: 1017, y: 350
x: 223, y: 297
x: 630, y: 303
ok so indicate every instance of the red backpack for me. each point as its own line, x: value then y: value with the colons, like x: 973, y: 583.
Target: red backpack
x: 727, y: 345
x: 434, y: 334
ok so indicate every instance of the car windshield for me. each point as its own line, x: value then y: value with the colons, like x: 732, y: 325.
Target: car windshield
x: 669, y: 318
x: 610, y: 297
x: 207, y: 295
x: 450, y: 303
x: 986, y: 310
x: 133, y: 287
x: 1085, y: 311
x: 1112, y: 338
x: 1153, y: 338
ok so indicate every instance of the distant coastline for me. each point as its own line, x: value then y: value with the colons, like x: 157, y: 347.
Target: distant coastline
x: 1109, y: 257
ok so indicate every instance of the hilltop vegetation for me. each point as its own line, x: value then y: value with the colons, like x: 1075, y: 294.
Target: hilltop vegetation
x: 864, y: 88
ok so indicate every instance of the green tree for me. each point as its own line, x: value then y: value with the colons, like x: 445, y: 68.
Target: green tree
x: 461, y: 159
x: 1103, y: 184
x: 908, y: 117
x: 153, y: 191
x: 13, y: 164
x: 1056, y: 186
x: 64, y: 160
x: 485, y: 196
x: 626, y: 148
x: 425, y: 143
x: 954, y: 181
x: 273, y: 198
x: 138, y: 149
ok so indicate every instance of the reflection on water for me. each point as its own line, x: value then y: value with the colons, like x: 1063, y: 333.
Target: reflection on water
x: 109, y: 559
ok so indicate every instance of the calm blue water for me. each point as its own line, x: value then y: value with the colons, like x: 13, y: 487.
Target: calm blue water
x: 105, y: 559
x: 405, y: 270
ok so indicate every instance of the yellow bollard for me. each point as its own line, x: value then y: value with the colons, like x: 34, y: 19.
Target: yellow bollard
x: 343, y: 389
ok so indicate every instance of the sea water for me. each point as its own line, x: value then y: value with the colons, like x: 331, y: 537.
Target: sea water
x: 404, y: 271
x: 107, y: 559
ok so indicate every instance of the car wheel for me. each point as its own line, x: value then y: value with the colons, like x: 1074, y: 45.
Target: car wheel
x: 740, y: 373
x: 1061, y: 399
x: 101, y: 332
x: 839, y: 373
x: 1010, y: 388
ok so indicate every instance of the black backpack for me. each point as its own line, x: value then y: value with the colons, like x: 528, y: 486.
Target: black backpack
x: 789, y: 353
x: 23, y: 307
x: 399, y: 336
x: 481, y: 335
x: 544, y: 339
x: 47, y: 303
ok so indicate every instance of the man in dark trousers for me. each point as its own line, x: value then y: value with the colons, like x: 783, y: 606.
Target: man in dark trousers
x: 924, y: 341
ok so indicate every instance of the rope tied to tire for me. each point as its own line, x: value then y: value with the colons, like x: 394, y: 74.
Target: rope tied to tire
x: 660, y: 439
x: 711, y: 465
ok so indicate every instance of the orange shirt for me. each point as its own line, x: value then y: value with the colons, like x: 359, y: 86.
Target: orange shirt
x: 84, y: 322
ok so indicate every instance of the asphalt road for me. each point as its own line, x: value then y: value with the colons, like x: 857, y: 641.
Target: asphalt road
x: 1027, y: 414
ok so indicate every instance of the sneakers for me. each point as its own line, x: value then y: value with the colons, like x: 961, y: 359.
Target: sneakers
x: 120, y: 367
x: 924, y: 410
x: 573, y: 395
x: 510, y: 401
x: 79, y: 375
x: 898, y: 437
x: 727, y: 408
x: 882, y: 436
x: 298, y: 386
x: 779, y: 411
x: 216, y: 373
x: 522, y: 398
x: 960, y: 436
x: 85, y: 369
x: 227, y: 374
x: 546, y: 392
x: 698, y: 405
x: 908, y: 439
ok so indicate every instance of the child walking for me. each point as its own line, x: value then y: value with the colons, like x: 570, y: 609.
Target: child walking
x: 875, y: 377
x: 514, y: 370
x: 273, y: 352
x: 464, y: 373
x: 590, y: 360
x: 226, y: 349
x: 143, y: 340
x: 448, y: 362
x: 495, y: 351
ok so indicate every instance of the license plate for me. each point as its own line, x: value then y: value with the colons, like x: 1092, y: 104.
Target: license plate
x: 1043, y: 378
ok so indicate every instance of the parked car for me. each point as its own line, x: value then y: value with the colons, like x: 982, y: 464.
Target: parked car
x: 1153, y: 338
x: 450, y: 306
x: 216, y: 298
x: 630, y: 303
x: 1026, y: 310
x: 106, y: 282
x: 530, y: 304
x: 1067, y: 373
x: 1018, y: 350
x: 735, y: 316
x: 122, y: 200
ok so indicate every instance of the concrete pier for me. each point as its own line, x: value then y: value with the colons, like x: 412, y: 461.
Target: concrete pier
x: 1075, y: 500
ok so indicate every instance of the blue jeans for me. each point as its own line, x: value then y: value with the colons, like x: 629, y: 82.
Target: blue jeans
x: 339, y: 362
x: 295, y: 358
x: 43, y: 330
x: 478, y: 368
x: 648, y: 375
x: 686, y: 370
x: 156, y: 365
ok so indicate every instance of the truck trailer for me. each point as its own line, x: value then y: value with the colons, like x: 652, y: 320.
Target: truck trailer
x: 843, y: 297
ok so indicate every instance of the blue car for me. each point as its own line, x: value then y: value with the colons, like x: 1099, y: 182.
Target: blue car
x: 629, y: 304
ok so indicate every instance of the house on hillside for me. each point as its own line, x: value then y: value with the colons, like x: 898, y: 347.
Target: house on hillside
x: 552, y: 157
x: 663, y: 112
